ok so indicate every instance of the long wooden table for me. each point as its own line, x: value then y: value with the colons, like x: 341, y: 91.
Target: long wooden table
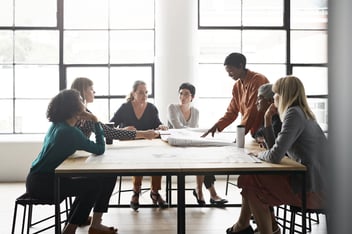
x: 156, y: 157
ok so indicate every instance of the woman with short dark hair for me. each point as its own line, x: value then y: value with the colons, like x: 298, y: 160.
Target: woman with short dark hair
x: 184, y: 115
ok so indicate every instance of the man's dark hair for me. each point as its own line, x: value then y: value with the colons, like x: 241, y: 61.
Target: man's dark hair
x: 235, y: 60
x: 188, y: 86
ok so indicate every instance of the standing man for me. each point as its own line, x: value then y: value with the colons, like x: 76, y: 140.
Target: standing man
x: 244, y: 96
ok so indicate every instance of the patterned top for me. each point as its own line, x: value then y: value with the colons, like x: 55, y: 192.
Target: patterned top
x: 87, y: 127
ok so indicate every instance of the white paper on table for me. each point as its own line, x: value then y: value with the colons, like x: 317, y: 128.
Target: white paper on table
x: 192, y: 137
x: 80, y: 154
x: 159, y: 154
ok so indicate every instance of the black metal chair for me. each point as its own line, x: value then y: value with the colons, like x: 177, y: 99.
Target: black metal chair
x: 27, y: 201
x: 289, y: 222
x: 228, y: 182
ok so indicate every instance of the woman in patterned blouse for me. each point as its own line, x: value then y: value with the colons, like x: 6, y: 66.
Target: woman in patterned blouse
x: 85, y: 87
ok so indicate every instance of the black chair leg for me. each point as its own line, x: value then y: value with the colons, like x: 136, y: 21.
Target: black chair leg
x: 14, y: 219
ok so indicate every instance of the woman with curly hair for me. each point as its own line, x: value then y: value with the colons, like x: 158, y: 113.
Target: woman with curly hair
x: 61, y: 141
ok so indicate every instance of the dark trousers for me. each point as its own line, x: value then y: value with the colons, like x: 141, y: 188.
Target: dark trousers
x: 89, y: 192
x: 209, y: 180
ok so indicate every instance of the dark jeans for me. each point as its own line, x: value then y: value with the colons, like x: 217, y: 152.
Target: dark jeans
x: 89, y: 192
x: 209, y: 180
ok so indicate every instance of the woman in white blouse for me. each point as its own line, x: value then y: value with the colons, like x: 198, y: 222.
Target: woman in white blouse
x: 184, y: 115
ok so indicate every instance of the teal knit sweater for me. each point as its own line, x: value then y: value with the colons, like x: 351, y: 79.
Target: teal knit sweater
x: 61, y: 141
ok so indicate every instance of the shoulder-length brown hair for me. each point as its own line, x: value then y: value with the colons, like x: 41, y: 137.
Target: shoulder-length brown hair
x: 82, y: 84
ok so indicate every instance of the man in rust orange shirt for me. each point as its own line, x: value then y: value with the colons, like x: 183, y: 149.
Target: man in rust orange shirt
x: 244, y: 96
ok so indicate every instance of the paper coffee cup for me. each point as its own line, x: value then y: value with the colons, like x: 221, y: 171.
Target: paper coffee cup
x: 240, y: 136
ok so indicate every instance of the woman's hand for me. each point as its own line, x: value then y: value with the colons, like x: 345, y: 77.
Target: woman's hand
x: 130, y: 128
x: 269, y: 113
x: 147, y: 134
x: 254, y: 153
x: 162, y: 127
x: 261, y: 141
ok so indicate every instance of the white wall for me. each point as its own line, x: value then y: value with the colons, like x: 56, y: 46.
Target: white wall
x: 17, y: 153
x: 176, y: 50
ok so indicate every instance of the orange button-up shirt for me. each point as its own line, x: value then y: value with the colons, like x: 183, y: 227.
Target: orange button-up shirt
x: 244, y: 98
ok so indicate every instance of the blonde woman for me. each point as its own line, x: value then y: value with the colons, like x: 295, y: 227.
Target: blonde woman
x: 302, y: 139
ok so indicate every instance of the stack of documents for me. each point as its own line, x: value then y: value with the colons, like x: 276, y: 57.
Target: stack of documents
x: 189, y: 137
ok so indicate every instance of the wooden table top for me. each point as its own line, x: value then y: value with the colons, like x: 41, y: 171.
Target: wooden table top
x: 157, y: 156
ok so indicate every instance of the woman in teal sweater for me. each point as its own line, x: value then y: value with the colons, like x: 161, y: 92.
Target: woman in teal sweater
x: 61, y: 141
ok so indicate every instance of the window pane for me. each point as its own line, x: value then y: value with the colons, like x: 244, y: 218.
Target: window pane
x: 94, y: 14
x: 100, y: 108
x: 314, y: 79
x: 312, y: 14
x: 122, y: 79
x: 99, y: 76
x: 272, y: 71
x: 132, y: 14
x: 6, y: 77
x: 86, y: 47
x: 207, y: 87
x: 309, y: 46
x: 35, y: 13
x: 220, y: 13
x: 319, y: 107
x: 115, y: 105
x: 33, y: 47
x: 36, y: 81
x: 6, y: 13
x: 209, y: 116
x: 6, y: 46
x: 132, y: 46
x: 31, y: 116
x: 264, y: 46
x: 263, y: 13
x: 216, y: 45
x: 6, y: 117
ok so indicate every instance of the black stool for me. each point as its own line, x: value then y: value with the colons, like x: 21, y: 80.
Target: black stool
x: 290, y: 224
x: 26, y: 200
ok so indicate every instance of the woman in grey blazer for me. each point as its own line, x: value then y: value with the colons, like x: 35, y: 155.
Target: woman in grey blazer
x: 302, y: 139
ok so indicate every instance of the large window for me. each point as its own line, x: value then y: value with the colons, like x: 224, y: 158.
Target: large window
x: 278, y: 37
x: 45, y: 44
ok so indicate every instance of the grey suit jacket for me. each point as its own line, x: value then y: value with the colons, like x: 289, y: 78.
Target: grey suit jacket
x: 304, y: 141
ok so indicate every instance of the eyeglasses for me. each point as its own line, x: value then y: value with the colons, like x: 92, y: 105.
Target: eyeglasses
x: 186, y: 94
x: 142, y: 93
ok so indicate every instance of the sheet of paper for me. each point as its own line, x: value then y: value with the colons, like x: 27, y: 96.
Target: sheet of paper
x: 192, y: 137
x: 153, y: 154
x: 80, y: 154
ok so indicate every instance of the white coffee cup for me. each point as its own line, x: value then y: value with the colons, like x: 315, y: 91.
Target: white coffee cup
x: 240, y: 136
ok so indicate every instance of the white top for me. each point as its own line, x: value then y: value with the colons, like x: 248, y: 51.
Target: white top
x: 176, y: 119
